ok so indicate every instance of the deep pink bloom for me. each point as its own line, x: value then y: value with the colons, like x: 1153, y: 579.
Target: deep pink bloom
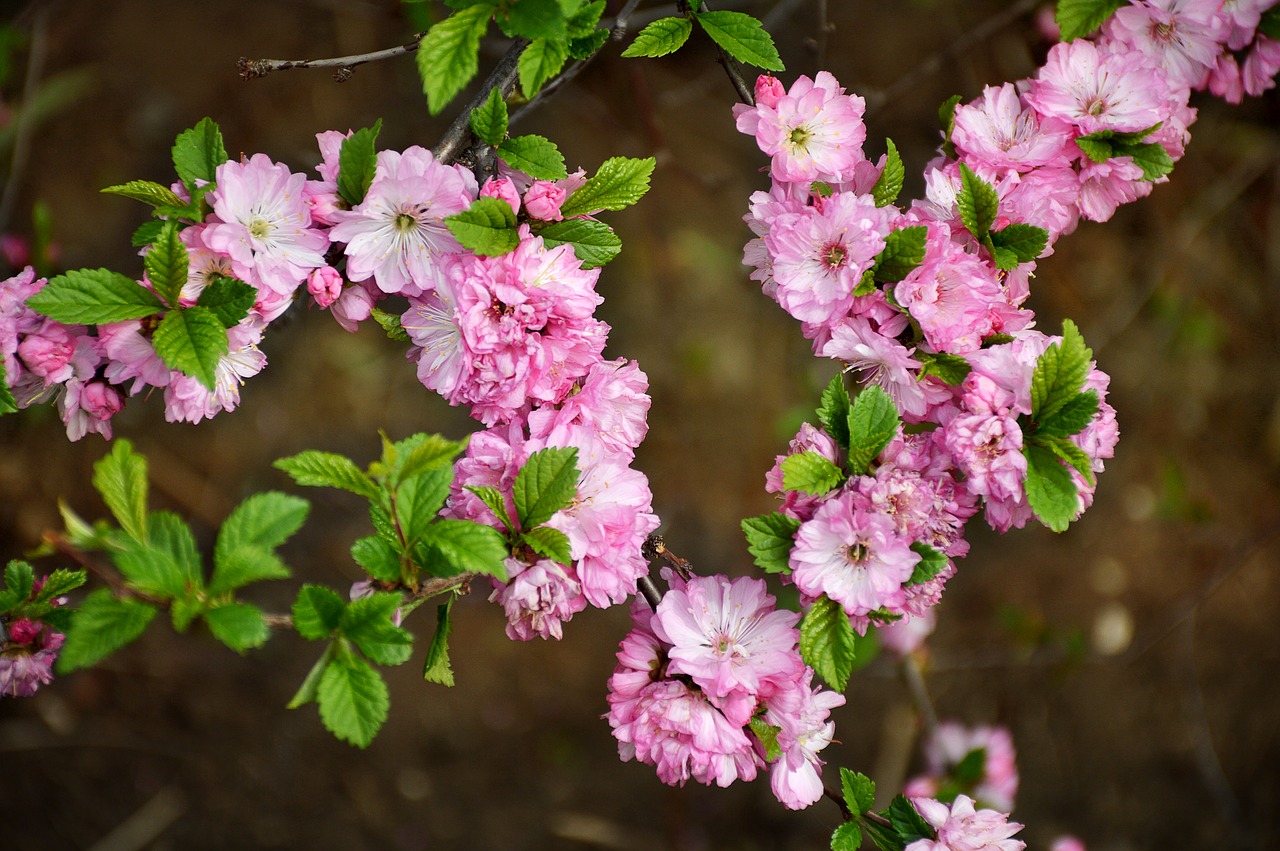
x: 610, y: 402
x: 325, y: 285
x: 543, y: 199
x: 27, y: 658
x: 504, y: 188
x: 187, y: 400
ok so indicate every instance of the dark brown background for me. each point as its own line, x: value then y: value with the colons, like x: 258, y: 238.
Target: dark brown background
x: 1165, y: 740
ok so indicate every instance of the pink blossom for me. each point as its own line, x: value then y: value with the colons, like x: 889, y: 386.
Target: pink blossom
x: 27, y: 658
x: 1105, y: 186
x: 504, y: 188
x: 949, y: 744
x: 961, y: 828
x: 325, y: 285
x: 186, y: 399
x: 354, y: 305
x: 610, y: 402
x: 46, y: 352
x: 538, y: 599
x: 87, y: 407
x: 1095, y: 90
x: 802, y: 715
x: 1066, y: 843
x: 322, y: 194
x: 543, y: 199
x: 906, y: 636
x: 987, y: 444
x: 1183, y: 37
x: 1258, y: 73
x: 884, y: 362
x: 796, y: 504
x: 1000, y: 132
x: 130, y: 355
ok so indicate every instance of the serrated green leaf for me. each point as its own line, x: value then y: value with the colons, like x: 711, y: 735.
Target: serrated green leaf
x: 742, y: 37
x: 310, y: 686
x: 19, y: 579
x: 951, y: 369
x: 883, y: 837
x: 317, y: 611
x: 167, y: 564
x: 833, y: 411
x: 8, y: 404
x: 58, y: 583
x: 827, y: 643
x: 437, y: 668
x: 534, y: 19
x: 972, y: 768
x: 947, y: 118
x: 977, y: 202
x: 903, y: 251
x: 487, y: 227
x: 889, y: 183
x: 1004, y: 259
x: 1068, y: 453
x: 908, y: 823
x: 146, y: 233
x: 536, y: 156
x: 94, y: 297
x: 1151, y: 157
x: 1051, y: 492
x: 417, y: 454
x: 101, y: 626
x: 462, y: 546
x: 1071, y: 418
x: 185, y: 609
x: 229, y: 299
x: 1095, y: 148
x: 545, y: 484
x: 392, y: 324
x: 378, y: 557
x: 847, y: 837
x: 808, y: 472
x: 932, y: 562
x: 1059, y: 373
x: 769, y: 540
x: 549, y: 543
x: 859, y: 791
x: 358, y: 163
x: 592, y: 241
x: 497, y: 503
x: 584, y: 47
x: 584, y: 21
x: 1027, y: 242
x: 541, y: 61
x: 489, y: 119
x: 238, y: 625
x: 244, y: 549
x: 243, y: 565
x: 1078, y: 18
x: 121, y: 479
x: 663, y: 36
x: 147, y: 192
x: 767, y: 735
x: 619, y: 183
x: 419, y: 499
x: 873, y: 422
x: 192, y: 341
x: 198, y: 152
x: 448, y: 55
x: 330, y: 470
x: 353, y: 699
x: 368, y: 622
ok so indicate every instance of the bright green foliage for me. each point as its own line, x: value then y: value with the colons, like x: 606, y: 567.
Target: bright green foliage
x: 1059, y: 374
x: 191, y: 340
x: 166, y: 264
x: 769, y: 540
x: 1051, y: 493
x: 19, y: 579
x: 238, y: 625
x: 245, y: 549
x: 487, y: 227
x: 402, y: 460
x: 663, y: 36
x: 462, y: 546
x: 418, y: 499
x: 594, y: 242
x: 165, y: 565
x: 8, y: 404
x: 379, y: 558
x: 448, y: 55
x: 767, y: 734
x: 951, y: 369
x: 497, y: 503
x: 742, y: 37
x: 19, y: 599
x: 121, y: 479
x: 93, y: 297
x: 827, y: 642
x: 1017, y: 243
x: 317, y: 612
x: 392, y: 324
x: 328, y: 470
x: 619, y: 183
x: 437, y: 668
x: 859, y: 791
x: 947, y: 118
x: 367, y: 622
x: 541, y: 61
x: 549, y: 543
x: 489, y: 119
x: 545, y: 484
x: 889, y: 183
x: 847, y: 837
x: 353, y: 699
x: 357, y: 163
x: 873, y: 422
x: 536, y: 156
x: 146, y: 233
x: 1078, y: 18
x: 229, y: 299
x: 903, y: 251
x: 833, y: 412
x: 533, y: 19
x: 147, y: 192
x: 808, y: 472
x: 907, y: 822
x: 1151, y: 157
x: 977, y: 201
x: 931, y: 563
x: 197, y: 153
x: 100, y: 626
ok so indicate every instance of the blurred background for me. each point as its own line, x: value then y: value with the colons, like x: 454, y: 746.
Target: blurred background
x: 1134, y: 658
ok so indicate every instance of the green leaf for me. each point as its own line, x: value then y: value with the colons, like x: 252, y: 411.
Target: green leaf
x: 489, y: 119
x: 244, y: 550
x: 594, y: 242
x: 827, y: 642
x: 907, y: 822
x: 1003, y: 258
x: 487, y: 227
x: 353, y: 699
x: 903, y: 251
x: 229, y: 299
x: 1068, y: 453
x: 198, y: 152
x: 238, y: 625
x: 847, y: 837
x: 931, y: 563
x: 1270, y: 23
x: 244, y: 565
x: 889, y: 183
x: 437, y: 668
x: 1096, y: 147
x: 497, y: 503
x: 147, y: 192
x: 311, y: 685
x: 767, y: 734
x: 466, y: 547
x: 808, y: 472
x: 1151, y: 157
x: 58, y: 583
x: 419, y: 499
x: 94, y: 297
x: 328, y: 470
x: 545, y: 484
x: 977, y: 201
x: 8, y: 404
x: 534, y: 19
x: 1051, y: 492
x: 1072, y: 418
x: 541, y: 61
x: 536, y: 156
x: 166, y: 565
x: 663, y: 36
x: 584, y: 47
x: 101, y: 626
x: 884, y: 838
x: 972, y: 768
x: 873, y: 422
x: 833, y: 412
x: 584, y: 21
x: 368, y: 621
x: 392, y: 324
x: 191, y: 341
x: 317, y: 611
x: 859, y: 791
x: 742, y: 37
x: 121, y: 479
x: 1027, y: 242
x: 619, y: 183
x: 769, y: 540
x: 379, y: 558
x: 1078, y: 18
x: 549, y: 543
x: 146, y: 233
x: 947, y: 118
x: 448, y: 55
x: 951, y: 369
x: 19, y: 579
x: 1060, y: 373
x: 417, y: 454
x: 358, y: 163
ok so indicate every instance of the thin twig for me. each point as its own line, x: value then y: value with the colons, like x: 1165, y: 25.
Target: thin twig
x: 503, y: 78
x: 251, y: 69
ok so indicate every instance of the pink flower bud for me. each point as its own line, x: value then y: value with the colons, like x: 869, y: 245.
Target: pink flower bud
x: 23, y: 631
x: 48, y: 354
x: 325, y: 285
x: 100, y: 400
x: 543, y: 201
x: 354, y: 306
x: 768, y: 90
x: 502, y: 187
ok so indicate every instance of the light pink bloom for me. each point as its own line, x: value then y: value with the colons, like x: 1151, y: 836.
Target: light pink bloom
x: 355, y: 305
x: 1000, y: 132
x: 538, y: 598
x: 504, y: 188
x: 1094, y: 90
x: 187, y: 400
x: 543, y: 200
x: 907, y: 636
x: 884, y: 362
x: 322, y: 194
x: 961, y: 828
x: 1183, y: 37
x: 130, y: 355
x: 1105, y: 186
x: 802, y: 714
x: 324, y: 285
x: 610, y: 403
x: 949, y: 744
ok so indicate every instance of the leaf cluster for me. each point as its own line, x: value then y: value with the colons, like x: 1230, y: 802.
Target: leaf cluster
x: 1010, y: 246
x: 890, y: 829
x: 736, y: 33
x: 20, y: 599
x: 1151, y: 157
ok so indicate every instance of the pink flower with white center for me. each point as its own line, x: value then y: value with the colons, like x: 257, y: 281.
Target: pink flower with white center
x: 397, y: 234
x: 264, y: 223
x: 884, y: 362
x: 26, y: 659
x: 130, y: 356
x: 538, y: 599
x: 1183, y: 37
x: 813, y: 132
x: 1000, y: 132
x: 187, y: 400
x: 853, y: 556
x: 730, y: 639
x: 610, y: 402
x: 432, y: 323
x: 1105, y: 186
x: 1095, y: 90
x: 962, y: 828
x: 796, y: 504
x: 949, y: 745
x: 819, y: 254
x: 802, y: 715
x: 203, y: 264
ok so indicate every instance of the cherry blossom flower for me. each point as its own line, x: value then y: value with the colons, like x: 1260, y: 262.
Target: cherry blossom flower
x: 962, y: 828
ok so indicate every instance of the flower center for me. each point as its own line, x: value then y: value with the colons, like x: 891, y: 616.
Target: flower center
x: 800, y: 136
x: 856, y: 554
x: 260, y: 228
x: 404, y: 222
x: 834, y: 255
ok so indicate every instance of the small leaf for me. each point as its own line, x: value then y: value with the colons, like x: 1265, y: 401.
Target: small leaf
x: 311, y: 685
x: 437, y: 668
x: 58, y: 583
x: 497, y: 503
x: 166, y: 264
x: 951, y: 369
x: 827, y: 642
x: 809, y: 472
x: 977, y: 201
x: 541, y: 61
x: 198, y: 152
x: 1027, y: 242
x: 238, y: 625
x: 769, y: 540
x: 94, y: 297
x: 191, y: 341
x: 932, y: 562
x: 167, y: 564
x: 328, y: 470
x: 229, y: 299
x: 1078, y: 18
x: 619, y: 183
x: 1151, y: 157
x: 947, y: 118
x: 101, y: 626
x: 847, y: 837
x: 392, y: 324
x: 448, y: 55
x: 903, y: 251
x: 742, y: 37
x: 1096, y: 147
x: 663, y: 36
x: 147, y: 192
x: 549, y: 543
x: 1059, y: 373
x: 534, y: 19
x: 873, y: 422
x: 536, y: 156
x: 19, y: 579
x: 368, y: 622
x: 353, y: 699
x: 859, y: 791
x: 417, y: 454
x: 833, y: 412
x: 419, y: 499
x: 582, y: 49
x: 592, y: 241
x: 1069, y: 454
x: 545, y: 484
x: 317, y: 612
x: 8, y: 404
x: 265, y: 519
x: 121, y: 479
x: 358, y: 164
x: 909, y: 824
x: 466, y: 547
x: 1072, y: 417
x: 767, y: 734
x: 487, y: 227
x: 1051, y: 493
x: 489, y: 119
x: 889, y: 183
x: 379, y: 558
x: 145, y: 233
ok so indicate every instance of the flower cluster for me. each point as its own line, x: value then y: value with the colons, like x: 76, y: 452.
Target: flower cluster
x: 710, y: 686
x: 27, y: 655
x: 961, y: 827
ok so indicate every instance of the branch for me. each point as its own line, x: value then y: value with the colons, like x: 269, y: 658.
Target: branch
x: 503, y: 78
x: 252, y: 69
